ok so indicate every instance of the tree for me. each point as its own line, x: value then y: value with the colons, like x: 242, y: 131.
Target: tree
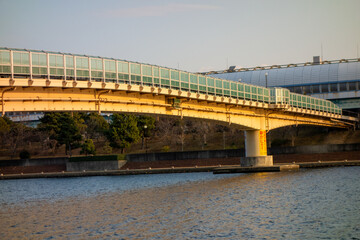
x: 5, y: 126
x: 64, y: 128
x: 97, y: 126
x: 146, y: 125
x: 123, y: 131
x: 88, y: 147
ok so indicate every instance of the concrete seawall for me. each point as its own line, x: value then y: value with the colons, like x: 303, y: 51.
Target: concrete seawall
x: 214, y: 169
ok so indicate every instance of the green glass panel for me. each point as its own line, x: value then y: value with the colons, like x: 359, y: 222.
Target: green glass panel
x: 135, y: 68
x: 123, y: 67
x: 96, y: 64
x: 156, y: 71
x: 184, y: 77
x: 193, y: 79
x: 69, y: 72
x: 233, y: 86
x: 202, y: 88
x: 202, y: 80
x: 82, y: 63
x: 109, y: 75
x: 135, y: 78
x: 227, y: 93
x: 20, y: 58
x: 156, y: 80
x: 110, y: 66
x: 5, y: 57
x: 241, y: 87
x: 147, y: 79
x: 174, y: 75
x: 56, y: 60
x: 193, y: 86
x: 253, y: 90
x: 219, y: 84
x: 21, y: 70
x: 147, y: 70
x: 123, y: 76
x: 240, y: 94
x: 82, y: 73
x: 226, y: 85
x: 211, y: 90
x: 175, y: 83
x: 38, y: 59
x: 39, y: 71
x: 57, y: 71
x: 164, y: 73
x: 210, y: 82
x: 69, y: 62
x: 184, y: 86
x: 5, y: 69
x: 165, y: 82
x: 96, y: 74
x: 234, y: 94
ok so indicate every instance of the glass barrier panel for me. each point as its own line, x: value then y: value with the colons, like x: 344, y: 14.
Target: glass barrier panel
x: 69, y: 62
x: 5, y: 69
x: 193, y: 79
x: 135, y: 68
x: 82, y: 63
x: 164, y: 73
x: 56, y: 60
x: 184, y: 77
x: 123, y: 67
x: 146, y: 70
x: 96, y: 64
x: 110, y: 66
x: 21, y: 58
x: 5, y: 57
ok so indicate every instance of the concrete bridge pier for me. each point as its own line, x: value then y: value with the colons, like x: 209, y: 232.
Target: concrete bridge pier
x: 256, y: 150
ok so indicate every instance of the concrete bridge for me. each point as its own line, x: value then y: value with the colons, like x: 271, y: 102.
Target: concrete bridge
x: 39, y: 81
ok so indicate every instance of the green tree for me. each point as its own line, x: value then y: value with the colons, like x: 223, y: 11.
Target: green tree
x: 123, y: 131
x: 64, y: 128
x: 5, y: 126
x: 88, y: 147
x: 146, y: 125
x: 96, y: 124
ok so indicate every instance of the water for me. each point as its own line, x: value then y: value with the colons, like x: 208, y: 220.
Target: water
x: 311, y: 204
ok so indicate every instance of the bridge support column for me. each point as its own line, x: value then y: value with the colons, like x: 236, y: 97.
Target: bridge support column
x: 256, y: 149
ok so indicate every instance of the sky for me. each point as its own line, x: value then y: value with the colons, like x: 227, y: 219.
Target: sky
x: 192, y: 35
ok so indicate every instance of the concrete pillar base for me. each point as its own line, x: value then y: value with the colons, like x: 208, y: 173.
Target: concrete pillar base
x: 259, y: 161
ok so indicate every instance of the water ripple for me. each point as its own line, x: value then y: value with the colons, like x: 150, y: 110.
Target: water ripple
x: 312, y: 204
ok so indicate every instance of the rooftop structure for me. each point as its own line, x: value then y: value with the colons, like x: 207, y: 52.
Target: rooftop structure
x: 337, y: 80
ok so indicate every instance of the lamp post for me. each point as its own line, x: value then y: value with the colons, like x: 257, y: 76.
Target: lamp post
x: 145, y: 127
x: 266, y: 75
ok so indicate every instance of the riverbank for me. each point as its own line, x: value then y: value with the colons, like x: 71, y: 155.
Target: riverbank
x: 215, y: 169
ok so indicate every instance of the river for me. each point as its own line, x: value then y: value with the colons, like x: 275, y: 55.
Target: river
x: 308, y: 204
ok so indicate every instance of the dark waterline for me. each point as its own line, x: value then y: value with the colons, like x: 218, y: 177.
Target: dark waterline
x: 312, y: 204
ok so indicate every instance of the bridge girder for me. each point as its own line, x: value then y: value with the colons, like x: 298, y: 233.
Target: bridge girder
x: 41, y: 95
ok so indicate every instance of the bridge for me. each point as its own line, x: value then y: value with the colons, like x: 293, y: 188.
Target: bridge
x: 41, y: 81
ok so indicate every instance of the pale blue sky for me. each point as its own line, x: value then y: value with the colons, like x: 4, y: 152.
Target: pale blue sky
x: 196, y: 35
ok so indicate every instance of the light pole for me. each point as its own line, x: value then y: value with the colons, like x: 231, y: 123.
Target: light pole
x: 266, y: 75
x: 145, y: 127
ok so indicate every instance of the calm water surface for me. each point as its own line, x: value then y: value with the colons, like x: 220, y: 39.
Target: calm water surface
x: 311, y: 204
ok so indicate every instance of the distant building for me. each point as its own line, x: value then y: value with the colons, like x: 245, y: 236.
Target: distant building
x: 338, y: 81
